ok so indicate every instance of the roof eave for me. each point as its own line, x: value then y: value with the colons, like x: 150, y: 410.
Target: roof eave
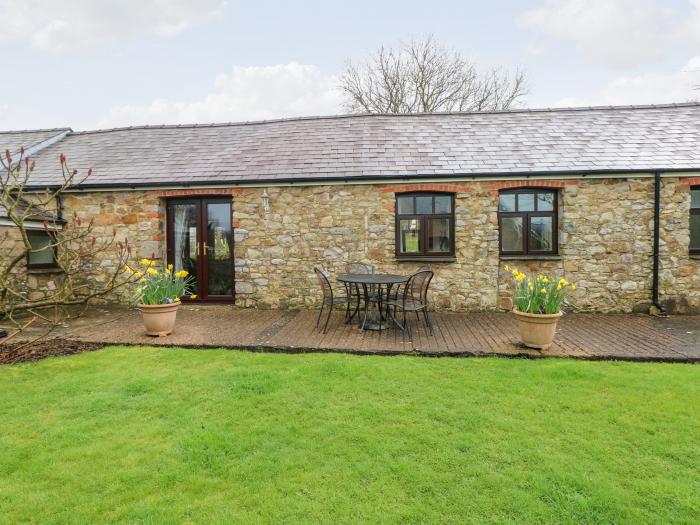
x: 378, y: 179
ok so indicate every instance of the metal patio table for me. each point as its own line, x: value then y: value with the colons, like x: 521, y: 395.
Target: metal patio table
x: 383, y: 283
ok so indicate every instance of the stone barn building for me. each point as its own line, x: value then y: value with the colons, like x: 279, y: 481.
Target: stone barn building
x: 608, y: 197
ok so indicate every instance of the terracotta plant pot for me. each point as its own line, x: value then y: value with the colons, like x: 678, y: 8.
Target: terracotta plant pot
x: 537, y: 330
x: 159, y: 319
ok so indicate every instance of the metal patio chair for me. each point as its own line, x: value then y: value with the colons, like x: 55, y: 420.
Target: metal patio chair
x: 413, y: 298
x: 331, y: 299
x: 359, y: 268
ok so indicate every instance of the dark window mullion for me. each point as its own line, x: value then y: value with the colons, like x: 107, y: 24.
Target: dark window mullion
x: 693, y: 212
x: 425, y: 220
x: 526, y: 233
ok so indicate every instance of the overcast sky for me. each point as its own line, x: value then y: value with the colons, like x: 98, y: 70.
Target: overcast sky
x: 104, y: 63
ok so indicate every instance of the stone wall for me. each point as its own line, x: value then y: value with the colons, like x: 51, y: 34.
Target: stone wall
x: 605, y: 240
x: 138, y: 216
x: 679, y: 286
x: 35, y: 284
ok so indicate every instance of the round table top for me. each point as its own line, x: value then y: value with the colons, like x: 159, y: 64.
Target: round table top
x: 372, y: 278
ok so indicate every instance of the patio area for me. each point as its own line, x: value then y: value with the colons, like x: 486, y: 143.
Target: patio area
x: 584, y: 336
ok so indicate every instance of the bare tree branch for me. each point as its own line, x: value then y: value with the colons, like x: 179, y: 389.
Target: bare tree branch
x: 423, y: 76
x: 77, y: 250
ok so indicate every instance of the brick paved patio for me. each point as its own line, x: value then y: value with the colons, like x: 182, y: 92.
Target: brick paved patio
x: 586, y: 336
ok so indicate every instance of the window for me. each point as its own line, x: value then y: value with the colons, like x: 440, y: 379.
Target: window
x: 43, y: 254
x: 695, y: 220
x: 425, y: 225
x: 528, y: 222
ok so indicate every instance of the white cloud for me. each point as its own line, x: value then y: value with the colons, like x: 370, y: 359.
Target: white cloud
x: 83, y: 24
x: 649, y: 88
x: 247, y: 93
x: 620, y: 33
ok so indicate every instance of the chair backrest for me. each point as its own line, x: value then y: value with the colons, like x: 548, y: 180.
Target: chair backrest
x: 417, y: 285
x: 326, y: 287
x: 359, y: 268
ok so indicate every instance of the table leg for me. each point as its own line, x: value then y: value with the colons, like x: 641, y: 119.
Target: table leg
x: 366, y: 294
x: 356, y: 310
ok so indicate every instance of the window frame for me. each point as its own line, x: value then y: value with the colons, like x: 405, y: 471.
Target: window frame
x: 423, y: 219
x: 693, y: 211
x: 42, y: 266
x: 525, y: 217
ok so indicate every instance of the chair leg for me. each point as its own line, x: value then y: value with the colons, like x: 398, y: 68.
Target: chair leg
x: 330, y: 311
x: 320, y: 312
x: 407, y: 326
x: 427, y: 320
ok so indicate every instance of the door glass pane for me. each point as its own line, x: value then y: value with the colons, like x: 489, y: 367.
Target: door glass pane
x: 424, y: 204
x: 439, y: 235
x: 185, y: 239
x: 219, y: 262
x: 405, y: 205
x: 526, y: 202
x: 40, y: 241
x: 409, y: 236
x: 545, y: 201
x: 541, y: 234
x: 695, y: 232
x: 512, y: 234
x: 443, y: 204
x: 695, y: 198
x: 507, y: 202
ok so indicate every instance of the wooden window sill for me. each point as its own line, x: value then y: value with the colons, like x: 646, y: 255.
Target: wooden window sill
x: 427, y: 259
x: 530, y: 257
x: 44, y: 270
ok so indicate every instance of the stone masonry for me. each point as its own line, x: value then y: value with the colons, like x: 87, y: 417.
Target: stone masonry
x: 605, y: 240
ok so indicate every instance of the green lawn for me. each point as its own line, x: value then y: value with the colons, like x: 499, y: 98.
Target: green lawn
x: 143, y: 435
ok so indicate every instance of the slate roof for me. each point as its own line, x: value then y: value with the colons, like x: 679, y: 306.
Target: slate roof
x: 601, y: 139
x: 15, y: 140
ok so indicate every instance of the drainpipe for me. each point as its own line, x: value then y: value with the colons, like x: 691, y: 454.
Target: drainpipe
x: 656, y: 308
x: 59, y: 208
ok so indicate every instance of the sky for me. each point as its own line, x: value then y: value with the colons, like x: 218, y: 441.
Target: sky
x: 91, y: 64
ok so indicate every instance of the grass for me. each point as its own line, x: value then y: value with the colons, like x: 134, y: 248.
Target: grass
x: 144, y: 435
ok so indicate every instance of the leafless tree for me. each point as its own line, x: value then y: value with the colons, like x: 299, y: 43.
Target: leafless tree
x: 77, y: 250
x: 424, y: 76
